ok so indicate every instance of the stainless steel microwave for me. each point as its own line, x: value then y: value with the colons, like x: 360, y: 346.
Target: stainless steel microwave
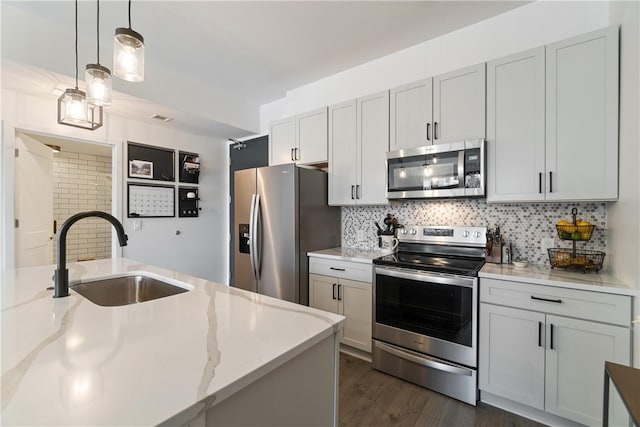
x: 456, y: 169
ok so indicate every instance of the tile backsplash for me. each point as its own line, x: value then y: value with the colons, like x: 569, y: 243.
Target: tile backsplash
x: 523, y: 224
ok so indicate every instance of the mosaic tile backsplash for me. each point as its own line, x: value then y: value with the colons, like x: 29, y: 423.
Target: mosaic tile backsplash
x: 524, y: 225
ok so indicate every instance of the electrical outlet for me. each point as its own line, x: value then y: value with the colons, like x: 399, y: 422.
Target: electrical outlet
x: 137, y: 224
x: 547, y: 244
x: 360, y: 235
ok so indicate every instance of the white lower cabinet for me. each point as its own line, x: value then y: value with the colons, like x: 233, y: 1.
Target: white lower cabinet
x: 551, y: 362
x: 349, y: 298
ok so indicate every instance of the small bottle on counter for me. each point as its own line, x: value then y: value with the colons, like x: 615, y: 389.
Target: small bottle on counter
x: 507, y: 251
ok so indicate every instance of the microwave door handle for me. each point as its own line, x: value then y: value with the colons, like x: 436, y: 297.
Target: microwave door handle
x: 461, y: 155
x: 423, y: 360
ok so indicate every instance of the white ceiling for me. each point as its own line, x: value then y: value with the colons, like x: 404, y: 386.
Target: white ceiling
x: 211, y: 64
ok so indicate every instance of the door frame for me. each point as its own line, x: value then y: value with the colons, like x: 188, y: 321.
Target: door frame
x: 9, y: 130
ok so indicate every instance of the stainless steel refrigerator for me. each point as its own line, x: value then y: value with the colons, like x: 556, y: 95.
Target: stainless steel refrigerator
x: 281, y: 213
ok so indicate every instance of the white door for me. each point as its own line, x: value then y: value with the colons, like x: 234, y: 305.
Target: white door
x: 512, y: 354
x: 515, y: 127
x: 342, y: 153
x: 373, y: 144
x: 355, y: 298
x: 311, y: 137
x: 459, y: 108
x: 282, y: 141
x: 576, y: 352
x: 410, y: 112
x: 33, y: 202
x: 582, y: 117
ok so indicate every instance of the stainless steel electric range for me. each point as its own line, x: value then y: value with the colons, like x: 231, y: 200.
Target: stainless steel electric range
x: 425, y: 309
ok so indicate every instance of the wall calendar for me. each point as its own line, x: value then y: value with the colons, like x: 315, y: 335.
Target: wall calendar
x: 150, y: 201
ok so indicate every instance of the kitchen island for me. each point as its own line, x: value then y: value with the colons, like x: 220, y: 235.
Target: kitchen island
x: 212, y: 355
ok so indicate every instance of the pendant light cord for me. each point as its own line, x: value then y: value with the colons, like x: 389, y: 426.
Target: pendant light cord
x: 98, y: 31
x: 129, y: 14
x: 76, y: 44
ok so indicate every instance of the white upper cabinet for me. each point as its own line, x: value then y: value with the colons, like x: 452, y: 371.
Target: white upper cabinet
x: 459, y: 105
x: 373, y: 144
x: 515, y: 127
x: 411, y: 115
x: 582, y: 117
x: 552, y: 121
x: 300, y: 139
x: 342, y: 153
x: 282, y: 140
x: 358, y: 143
x: 445, y: 108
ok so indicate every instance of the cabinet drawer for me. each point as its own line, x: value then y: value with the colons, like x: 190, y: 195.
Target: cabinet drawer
x: 596, y: 306
x: 342, y: 269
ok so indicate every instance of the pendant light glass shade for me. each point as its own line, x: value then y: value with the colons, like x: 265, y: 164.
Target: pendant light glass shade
x: 98, y: 81
x: 73, y: 110
x: 128, y: 55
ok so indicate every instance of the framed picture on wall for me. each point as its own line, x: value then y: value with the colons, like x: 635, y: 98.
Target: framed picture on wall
x: 140, y: 169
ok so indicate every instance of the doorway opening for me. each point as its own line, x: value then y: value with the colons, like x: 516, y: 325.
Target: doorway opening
x: 74, y: 177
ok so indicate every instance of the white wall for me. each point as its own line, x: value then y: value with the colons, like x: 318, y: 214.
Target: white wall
x: 200, y: 249
x: 525, y: 27
x: 624, y: 216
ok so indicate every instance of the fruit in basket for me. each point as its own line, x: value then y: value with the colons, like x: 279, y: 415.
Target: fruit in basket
x: 565, y: 235
x: 566, y: 226
x: 576, y: 235
x: 581, y: 223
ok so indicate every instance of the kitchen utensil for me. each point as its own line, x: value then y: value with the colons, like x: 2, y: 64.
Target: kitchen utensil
x: 380, y: 231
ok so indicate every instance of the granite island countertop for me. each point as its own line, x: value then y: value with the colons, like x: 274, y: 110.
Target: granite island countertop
x: 68, y: 361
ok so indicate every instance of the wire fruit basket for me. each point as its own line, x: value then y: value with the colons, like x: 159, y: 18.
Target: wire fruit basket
x: 584, y: 260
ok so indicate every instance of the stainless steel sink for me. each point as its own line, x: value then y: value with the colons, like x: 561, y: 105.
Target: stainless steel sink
x: 125, y: 290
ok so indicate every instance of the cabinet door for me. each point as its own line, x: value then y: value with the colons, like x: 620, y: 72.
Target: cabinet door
x: 410, y: 112
x: 323, y: 293
x: 576, y: 352
x: 372, y: 145
x: 515, y: 127
x: 282, y: 141
x: 512, y: 354
x: 342, y: 153
x: 582, y: 117
x: 459, y: 105
x: 355, y: 300
x: 311, y: 137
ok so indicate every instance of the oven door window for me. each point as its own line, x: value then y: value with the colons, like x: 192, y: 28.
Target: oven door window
x: 430, y: 309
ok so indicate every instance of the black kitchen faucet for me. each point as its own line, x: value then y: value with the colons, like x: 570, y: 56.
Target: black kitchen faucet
x: 61, y: 276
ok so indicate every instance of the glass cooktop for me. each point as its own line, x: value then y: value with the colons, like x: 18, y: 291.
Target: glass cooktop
x: 430, y: 262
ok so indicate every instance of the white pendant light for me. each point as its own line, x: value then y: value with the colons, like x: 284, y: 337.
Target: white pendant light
x: 128, y: 53
x: 73, y: 109
x: 96, y: 77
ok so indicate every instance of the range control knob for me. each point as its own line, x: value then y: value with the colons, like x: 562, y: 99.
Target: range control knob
x: 465, y: 234
x: 477, y: 234
x: 413, y: 232
x: 404, y: 231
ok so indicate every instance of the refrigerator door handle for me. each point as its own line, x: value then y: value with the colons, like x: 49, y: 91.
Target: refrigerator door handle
x: 252, y: 235
x: 258, y: 236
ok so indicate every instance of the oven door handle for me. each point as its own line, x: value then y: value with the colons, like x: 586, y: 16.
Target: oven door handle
x: 443, y: 279
x: 423, y: 360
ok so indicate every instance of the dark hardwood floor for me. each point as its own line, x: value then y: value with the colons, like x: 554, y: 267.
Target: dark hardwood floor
x: 372, y: 398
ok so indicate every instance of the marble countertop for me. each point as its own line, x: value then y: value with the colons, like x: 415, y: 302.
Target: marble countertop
x: 349, y: 254
x: 67, y: 361
x: 544, y: 275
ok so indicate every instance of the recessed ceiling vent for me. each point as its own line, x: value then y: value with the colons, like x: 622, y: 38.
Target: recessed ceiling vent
x: 161, y: 118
